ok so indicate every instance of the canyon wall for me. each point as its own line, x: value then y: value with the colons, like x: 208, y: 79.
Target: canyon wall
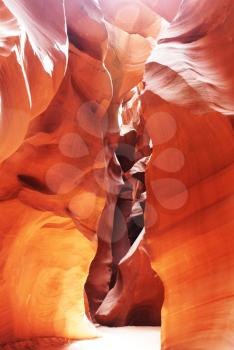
x: 116, y: 151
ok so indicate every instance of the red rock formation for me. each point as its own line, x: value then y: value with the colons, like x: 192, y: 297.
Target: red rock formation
x: 30, y: 58
x: 190, y: 244
x: 189, y: 179
x: 192, y: 63
x: 115, y: 116
x: 47, y: 242
x: 136, y: 298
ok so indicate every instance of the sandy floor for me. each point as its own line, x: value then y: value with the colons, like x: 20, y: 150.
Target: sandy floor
x: 126, y: 338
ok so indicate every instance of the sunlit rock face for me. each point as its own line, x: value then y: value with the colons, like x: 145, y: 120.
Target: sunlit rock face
x: 116, y: 166
x: 192, y: 63
x: 45, y: 260
x: 53, y: 188
x: 190, y: 175
x: 189, y: 183
x: 59, y: 171
x: 33, y: 54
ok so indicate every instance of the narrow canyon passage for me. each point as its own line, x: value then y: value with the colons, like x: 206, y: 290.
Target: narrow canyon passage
x: 116, y: 168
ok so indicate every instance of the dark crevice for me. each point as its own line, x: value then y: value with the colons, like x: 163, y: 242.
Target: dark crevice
x: 33, y: 183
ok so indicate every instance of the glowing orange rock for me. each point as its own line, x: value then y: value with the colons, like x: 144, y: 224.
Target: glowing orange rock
x: 52, y: 195
x: 189, y: 179
x: 190, y: 191
x: 72, y: 179
x: 45, y: 260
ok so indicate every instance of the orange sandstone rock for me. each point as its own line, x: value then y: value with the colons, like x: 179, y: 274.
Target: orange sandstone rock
x: 190, y: 187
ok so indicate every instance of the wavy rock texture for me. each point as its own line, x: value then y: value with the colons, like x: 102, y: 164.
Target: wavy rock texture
x: 33, y: 54
x: 192, y: 63
x: 189, y: 179
x: 64, y: 181
x: 129, y: 42
x: 45, y: 261
x: 135, y: 278
x: 49, y: 235
x: 126, y: 56
x: 116, y: 165
x: 190, y: 186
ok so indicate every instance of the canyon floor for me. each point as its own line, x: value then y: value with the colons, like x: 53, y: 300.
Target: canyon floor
x: 130, y: 338
x: 122, y: 338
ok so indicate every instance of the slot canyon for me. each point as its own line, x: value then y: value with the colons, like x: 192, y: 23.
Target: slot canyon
x: 117, y: 174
